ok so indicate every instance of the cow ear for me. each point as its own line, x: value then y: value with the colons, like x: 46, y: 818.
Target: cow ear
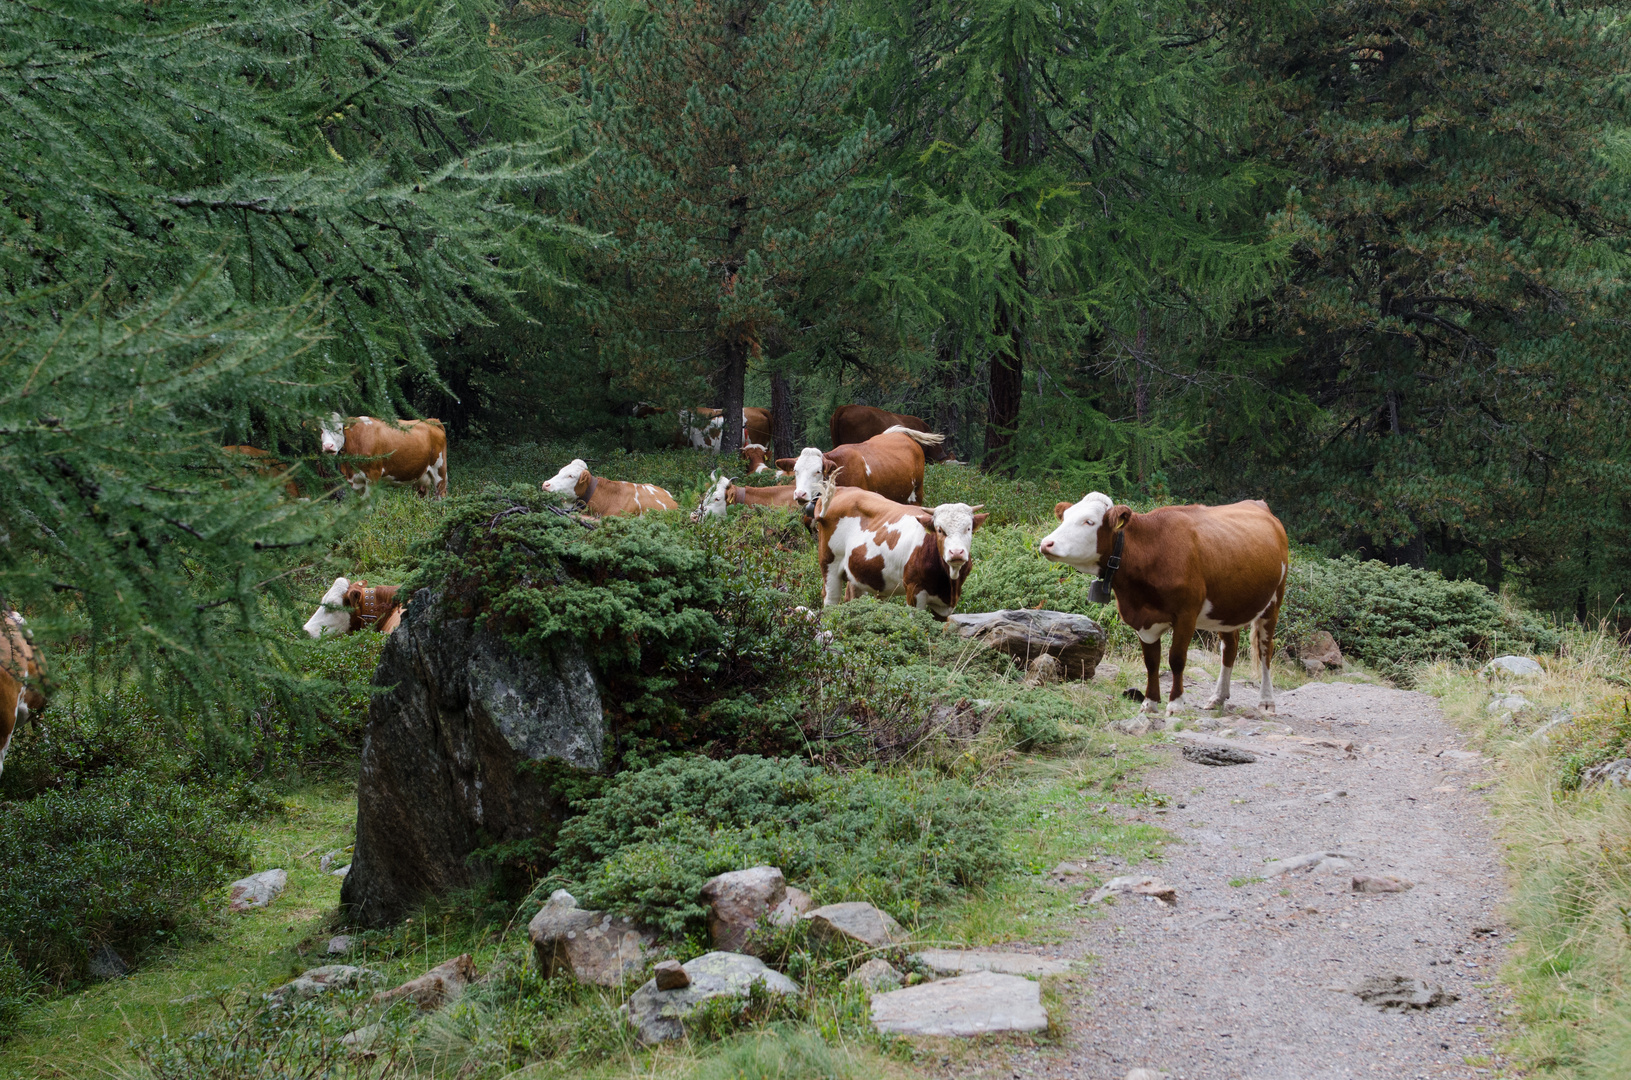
x: 1119, y: 516
x: 979, y: 519
x: 1060, y: 508
x: 786, y: 463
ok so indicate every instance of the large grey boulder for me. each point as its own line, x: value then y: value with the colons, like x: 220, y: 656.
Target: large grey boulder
x: 442, y: 758
x: 594, y: 946
x: 1524, y: 667
x: 737, y: 901
x: 1076, y: 641
x: 659, y: 1015
x: 977, y: 1004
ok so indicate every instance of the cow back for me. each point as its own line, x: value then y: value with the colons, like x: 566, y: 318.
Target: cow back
x: 890, y: 465
x: 858, y: 423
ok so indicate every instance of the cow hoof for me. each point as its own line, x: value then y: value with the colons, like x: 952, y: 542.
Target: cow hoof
x: 1266, y: 708
x: 1216, y: 704
x: 1176, y: 706
x: 1151, y: 706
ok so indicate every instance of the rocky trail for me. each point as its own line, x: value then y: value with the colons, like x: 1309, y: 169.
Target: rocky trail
x: 1249, y: 973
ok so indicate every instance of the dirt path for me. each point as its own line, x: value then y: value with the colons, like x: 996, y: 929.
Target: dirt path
x: 1234, y: 981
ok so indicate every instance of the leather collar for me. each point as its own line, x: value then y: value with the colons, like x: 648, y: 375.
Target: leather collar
x: 1102, y: 589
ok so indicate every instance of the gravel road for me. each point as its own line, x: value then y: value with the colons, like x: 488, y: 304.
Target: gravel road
x: 1243, y: 980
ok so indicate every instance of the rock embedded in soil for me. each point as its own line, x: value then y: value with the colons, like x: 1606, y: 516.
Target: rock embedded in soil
x: 1043, y: 670
x: 1612, y: 773
x: 1218, y: 755
x: 1521, y: 666
x: 1136, y: 885
x: 437, y: 987
x: 1379, y: 883
x: 875, y: 974
x: 737, y: 901
x: 1313, y: 861
x: 1075, y: 641
x: 855, y: 921
x: 338, y: 945
x: 1135, y: 725
x: 320, y: 980
x: 943, y: 962
x: 459, y: 715
x: 596, y: 947
x: 1396, y: 993
x: 105, y: 963
x: 256, y: 891
x: 659, y: 1015
x: 1320, y: 649
x: 982, y: 1003
x: 1508, y: 705
x: 792, y: 907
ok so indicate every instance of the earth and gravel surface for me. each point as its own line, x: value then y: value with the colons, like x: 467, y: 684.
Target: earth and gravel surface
x: 1250, y: 979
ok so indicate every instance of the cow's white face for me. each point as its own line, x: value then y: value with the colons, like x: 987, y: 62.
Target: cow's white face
x: 331, y: 617
x: 716, y: 499
x: 565, y: 482
x: 1076, y: 541
x: 807, y: 475
x: 954, y: 525
x: 333, y: 434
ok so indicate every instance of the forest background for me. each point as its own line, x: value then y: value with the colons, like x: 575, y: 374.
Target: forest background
x: 1363, y: 260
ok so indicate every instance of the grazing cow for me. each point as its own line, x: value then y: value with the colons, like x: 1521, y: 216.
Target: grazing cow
x: 890, y: 464
x: 726, y: 492
x: 875, y: 546
x: 757, y: 456
x: 607, y: 498
x: 1217, y: 568
x: 404, y: 452
x: 22, y: 680
x: 702, y: 428
x: 858, y: 423
x: 349, y: 606
x: 266, y: 465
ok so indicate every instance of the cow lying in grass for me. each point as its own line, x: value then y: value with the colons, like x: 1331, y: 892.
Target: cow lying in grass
x: 890, y: 464
x: 870, y: 545
x: 349, y: 606
x: 607, y: 498
x: 726, y: 492
x: 1179, y: 568
x: 757, y: 457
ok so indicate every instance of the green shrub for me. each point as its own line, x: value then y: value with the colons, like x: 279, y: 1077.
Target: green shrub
x: 774, y: 1055
x: 296, y: 1041
x: 1598, y: 735
x: 118, y: 860
x: 644, y: 847
x: 18, y: 989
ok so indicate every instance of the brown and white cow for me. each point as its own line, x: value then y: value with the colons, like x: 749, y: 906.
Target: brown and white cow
x: 871, y: 545
x: 404, y: 452
x: 265, y: 464
x: 890, y: 464
x: 757, y: 457
x: 607, y: 498
x: 858, y: 423
x: 702, y: 428
x: 22, y: 680
x: 726, y: 492
x: 349, y: 606
x: 1183, y: 568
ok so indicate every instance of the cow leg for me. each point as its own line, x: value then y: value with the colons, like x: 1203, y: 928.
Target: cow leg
x: 1182, y: 631
x: 834, y: 594
x: 359, y: 484
x: 1152, y: 672
x: 1231, y: 647
x: 1263, y: 654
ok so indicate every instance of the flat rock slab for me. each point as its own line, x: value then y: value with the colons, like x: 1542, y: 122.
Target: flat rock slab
x: 1218, y: 755
x: 256, y: 891
x: 944, y: 962
x: 1075, y: 641
x: 856, y: 921
x: 659, y: 1015
x: 320, y: 980
x: 983, y: 1003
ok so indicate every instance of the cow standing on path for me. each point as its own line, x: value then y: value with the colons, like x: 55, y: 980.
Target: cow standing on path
x: 890, y: 464
x: 404, y: 452
x: 607, y: 498
x: 870, y: 545
x: 1183, y: 568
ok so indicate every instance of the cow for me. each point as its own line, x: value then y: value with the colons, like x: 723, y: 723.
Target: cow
x: 755, y: 427
x: 22, y: 680
x: 607, y: 498
x: 404, y: 452
x: 1183, y: 568
x: 870, y: 545
x: 757, y: 456
x: 858, y: 423
x: 349, y: 606
x: 726, y: 492
x: 890, y: 464
x: 266, y: 465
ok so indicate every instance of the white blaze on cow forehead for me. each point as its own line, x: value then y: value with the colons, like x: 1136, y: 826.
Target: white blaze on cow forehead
x: 1076, y: 541
x: 806, y: 474
x: 955, y: 521
x: 331, y: 615
x: 333, y: 433
x: 1090, y: 511
x: 565, y: 482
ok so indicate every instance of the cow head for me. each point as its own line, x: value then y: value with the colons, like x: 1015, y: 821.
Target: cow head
x: 808, y: 470
x: 954, y: 525
x: 757, y: 455
x: 569, y: 479
x: 715, y: 499
x: 333, y: 433
x: 1086, y: 531
x: 331, y: 616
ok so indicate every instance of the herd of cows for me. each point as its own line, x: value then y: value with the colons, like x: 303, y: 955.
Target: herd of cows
x: 1176, y: 568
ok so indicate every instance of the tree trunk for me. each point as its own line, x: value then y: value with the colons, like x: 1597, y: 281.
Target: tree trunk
x: 1008, y: 366
x: 783, y: 438
x: 735, y: 379
x: 949, y: 413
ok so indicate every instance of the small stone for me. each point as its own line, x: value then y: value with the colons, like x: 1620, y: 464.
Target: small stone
x: 659, y: 1015
x: 320, y: 980
x: 364, y: 1040
x: 1395, y: 993
x: 1136, y: 885
x: 670, y: 975
x: 1145, y: 1074
x: 594, y: 946
x: 855, y: 921
x: 1313, y: 667
x: 440, y: 985
x: 1312, y: 861
x: 1218, y: 755
x: 1543, y: 734
x: 1523, y: 667
x: 1321, y: 648
x: 1508, y: 704
x: 338, y: 945
x: 1379, y: 883
x: 942, y: 962
x: 257, y: 890
x: 1045, y: 669
x: 1134, y: 725
x: 560, y: 898
x: 340, y: 871
x: 792, y: 907
x: 737, y: 901
x: 875, y: 974
x: 105, y: 963
x: 1612, y: 773
x: 978, y: 1004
